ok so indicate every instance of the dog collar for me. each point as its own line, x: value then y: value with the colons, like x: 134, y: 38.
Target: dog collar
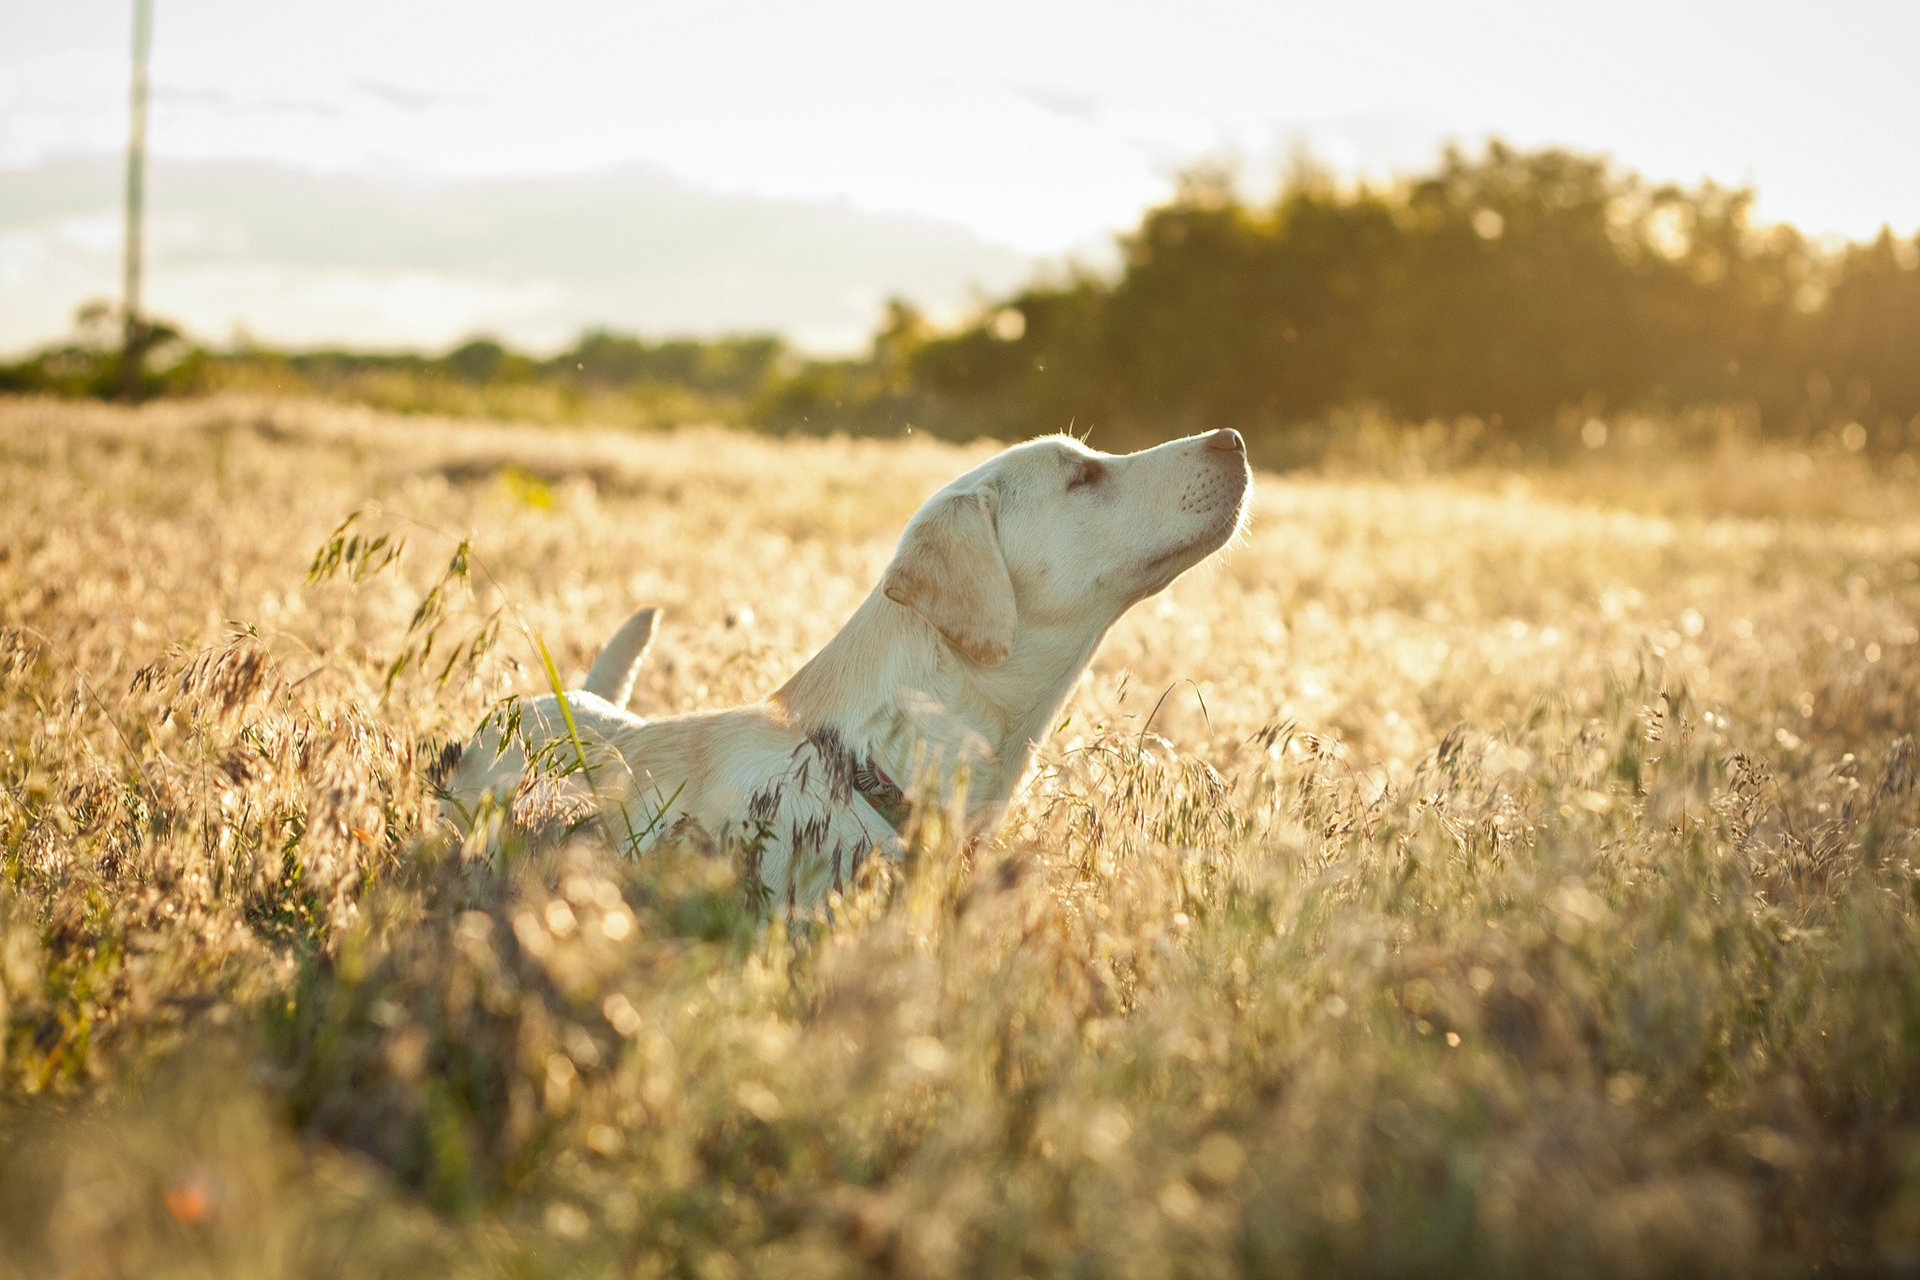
x: 880, y: 791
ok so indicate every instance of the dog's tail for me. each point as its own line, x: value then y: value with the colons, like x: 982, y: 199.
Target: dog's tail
x: 614, y: 670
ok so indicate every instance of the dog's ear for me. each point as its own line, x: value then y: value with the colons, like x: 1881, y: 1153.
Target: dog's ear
x: 949, y: 571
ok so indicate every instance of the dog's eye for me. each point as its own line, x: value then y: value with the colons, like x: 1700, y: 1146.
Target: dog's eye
x: 1090, y: 472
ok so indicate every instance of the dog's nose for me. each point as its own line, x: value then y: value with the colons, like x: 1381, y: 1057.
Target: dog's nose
x: 1227, y: 440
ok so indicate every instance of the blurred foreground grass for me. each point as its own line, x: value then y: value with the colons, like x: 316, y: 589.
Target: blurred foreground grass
x: 1517, y: 876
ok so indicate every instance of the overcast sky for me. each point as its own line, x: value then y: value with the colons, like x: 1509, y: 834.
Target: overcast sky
x: 1033, y: 127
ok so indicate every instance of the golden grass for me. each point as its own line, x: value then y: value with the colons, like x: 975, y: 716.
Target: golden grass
x: 1517, y: 876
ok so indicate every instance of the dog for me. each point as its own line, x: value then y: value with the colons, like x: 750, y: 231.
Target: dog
x: 941, y: 685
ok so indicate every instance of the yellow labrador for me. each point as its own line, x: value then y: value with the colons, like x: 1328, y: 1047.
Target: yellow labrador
x: 945, y: 679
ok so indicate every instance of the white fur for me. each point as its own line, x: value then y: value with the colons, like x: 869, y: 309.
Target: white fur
x: 613, y: 671
x: 946, y: 678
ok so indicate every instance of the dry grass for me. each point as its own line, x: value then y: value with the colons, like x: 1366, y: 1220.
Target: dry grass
x: 1519, y: 877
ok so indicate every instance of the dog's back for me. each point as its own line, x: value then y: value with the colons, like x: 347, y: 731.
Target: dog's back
x: 740, y: 778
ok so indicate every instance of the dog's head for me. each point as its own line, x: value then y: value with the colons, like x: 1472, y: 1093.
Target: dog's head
x: 1052, y: 534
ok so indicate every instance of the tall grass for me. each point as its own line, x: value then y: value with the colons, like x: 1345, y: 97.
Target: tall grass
x: 1476, y: 872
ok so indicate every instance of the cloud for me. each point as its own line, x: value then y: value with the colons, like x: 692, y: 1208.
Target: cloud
x: 1062, y: 101
x: 413, y: 100
x: 221, y: 101
x: 302, y: 258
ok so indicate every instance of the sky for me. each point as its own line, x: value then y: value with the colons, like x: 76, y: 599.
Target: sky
x: 1007, y: 133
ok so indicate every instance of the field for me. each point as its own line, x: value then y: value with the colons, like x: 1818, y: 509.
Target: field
x: 1475, y: 872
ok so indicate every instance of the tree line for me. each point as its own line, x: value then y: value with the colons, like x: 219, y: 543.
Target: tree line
x: 721, y: 375
x: 1521, y: 290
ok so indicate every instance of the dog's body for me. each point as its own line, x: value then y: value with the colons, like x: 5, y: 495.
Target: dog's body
x: 946, y: 678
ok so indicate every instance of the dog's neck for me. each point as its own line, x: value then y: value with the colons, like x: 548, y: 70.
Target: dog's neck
x: 896, y: 693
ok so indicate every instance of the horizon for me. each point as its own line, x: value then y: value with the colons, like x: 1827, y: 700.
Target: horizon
x: 1009, y: 153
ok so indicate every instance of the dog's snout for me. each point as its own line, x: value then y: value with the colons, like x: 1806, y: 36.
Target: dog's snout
x: 1227, y: 440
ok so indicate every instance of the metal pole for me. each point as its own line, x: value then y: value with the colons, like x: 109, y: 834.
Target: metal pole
x: 131, y: 356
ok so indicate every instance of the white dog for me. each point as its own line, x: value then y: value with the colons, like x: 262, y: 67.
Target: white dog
x: 946, y: 678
